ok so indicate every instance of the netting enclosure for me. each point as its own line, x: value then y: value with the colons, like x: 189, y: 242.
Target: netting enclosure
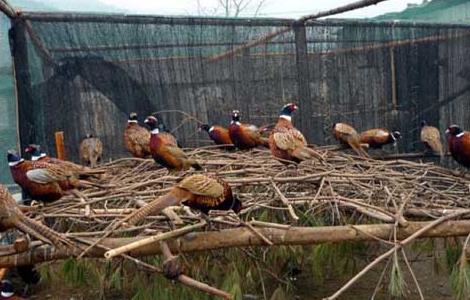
x: 366, y: 73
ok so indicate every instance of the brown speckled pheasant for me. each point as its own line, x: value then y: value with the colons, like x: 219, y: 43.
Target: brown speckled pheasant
x: 12, y: 217
x: 201, y: 192
x: 91, y: 150
x: 348, y: 136
x: 431, y: 138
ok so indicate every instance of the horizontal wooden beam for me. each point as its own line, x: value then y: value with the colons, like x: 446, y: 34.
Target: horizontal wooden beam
x: 244, y: 237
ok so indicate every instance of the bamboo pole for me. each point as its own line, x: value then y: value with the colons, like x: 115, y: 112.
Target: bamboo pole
x: 59, y: 145
x: 153, y: 239
x: 244, y: 237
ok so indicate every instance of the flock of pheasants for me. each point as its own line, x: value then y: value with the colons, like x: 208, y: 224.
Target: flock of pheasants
x: 48, y: 179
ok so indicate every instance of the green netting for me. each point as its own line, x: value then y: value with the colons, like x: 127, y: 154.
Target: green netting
x: 84, y: 73
x: 8, y: 128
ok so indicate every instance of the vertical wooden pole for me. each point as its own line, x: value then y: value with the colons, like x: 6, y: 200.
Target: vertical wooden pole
x: 303, y: 79
x: 59, y: 145
x: 394, y: 79
x: 24, y: 101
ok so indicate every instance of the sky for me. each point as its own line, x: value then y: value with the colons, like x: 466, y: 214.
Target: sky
x: 271, y: 8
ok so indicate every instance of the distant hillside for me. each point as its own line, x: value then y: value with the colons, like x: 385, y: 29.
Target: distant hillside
x: 426, y: 11
x: 68, y: 5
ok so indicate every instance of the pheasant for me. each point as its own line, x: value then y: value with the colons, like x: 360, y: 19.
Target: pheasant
x: 198, y: 191
x: 136, y: 138
x: 348, y: 136
x: 91, y: 150
x: 378, y: 137
x: 459, y: 144
x: 165, y: 151
x: 288, y: 143
x: 431, y: 138
x: 245, y: 136
x: 82, y: 171
x: 12, y: 217
x: 220, y: 135
x: 41, y: 180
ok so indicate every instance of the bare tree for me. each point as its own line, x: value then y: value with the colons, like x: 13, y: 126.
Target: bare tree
x: 233, y: 8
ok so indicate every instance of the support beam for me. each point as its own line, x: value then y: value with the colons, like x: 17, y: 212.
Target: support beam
x: 244, y: 237
x: 7, y: 9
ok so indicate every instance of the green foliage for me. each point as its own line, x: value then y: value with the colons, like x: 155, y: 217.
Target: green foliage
x: 78, y: 272
x: 460, y: 279
x: 453, y: 252
x: 397, y: 284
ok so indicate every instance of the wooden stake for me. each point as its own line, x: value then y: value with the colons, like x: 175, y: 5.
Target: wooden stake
x: 59, y: 145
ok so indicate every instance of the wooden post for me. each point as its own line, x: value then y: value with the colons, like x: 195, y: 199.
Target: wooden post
x: 24, y: 104
x: 59, y: 145
x: 303, y: 77
x: 394, y: 79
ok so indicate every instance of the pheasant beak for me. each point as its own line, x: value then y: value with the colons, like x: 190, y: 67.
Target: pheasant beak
x: 296, y: 107
x: 447, y: 131
x: 146, y: 120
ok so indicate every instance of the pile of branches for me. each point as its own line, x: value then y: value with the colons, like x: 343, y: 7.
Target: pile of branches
x: 354, y: 199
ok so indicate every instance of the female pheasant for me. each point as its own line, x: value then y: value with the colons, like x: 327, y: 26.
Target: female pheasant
x: 12, y: 217
x: 348, y: 136
x: 431, y: 138
x: 201, y: 192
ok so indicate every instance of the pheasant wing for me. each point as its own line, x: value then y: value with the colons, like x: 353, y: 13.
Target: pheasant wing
x: 289, y: 139
x: 202, y: 185
x: 48, y: 173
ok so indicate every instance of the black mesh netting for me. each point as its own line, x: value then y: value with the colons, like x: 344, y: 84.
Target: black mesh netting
x: 84, y: 74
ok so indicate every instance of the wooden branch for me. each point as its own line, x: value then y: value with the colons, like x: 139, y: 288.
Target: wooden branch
x: 285, y: 201
x: 38, y: 44
x: 268, y: 37
x: 398, y: 246
x: 173, y: 268
x: 153, y: 239
x: 244, y: 237
x: 7, y: 9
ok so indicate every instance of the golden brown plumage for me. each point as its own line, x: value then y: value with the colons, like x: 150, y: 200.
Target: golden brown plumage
x: 137, y: 138
x: 288, y: 143
x: 197, y: 191
x: 431, y: 138
x: 91, y: 150
x: 347, y: 135
x: 12, y: 217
